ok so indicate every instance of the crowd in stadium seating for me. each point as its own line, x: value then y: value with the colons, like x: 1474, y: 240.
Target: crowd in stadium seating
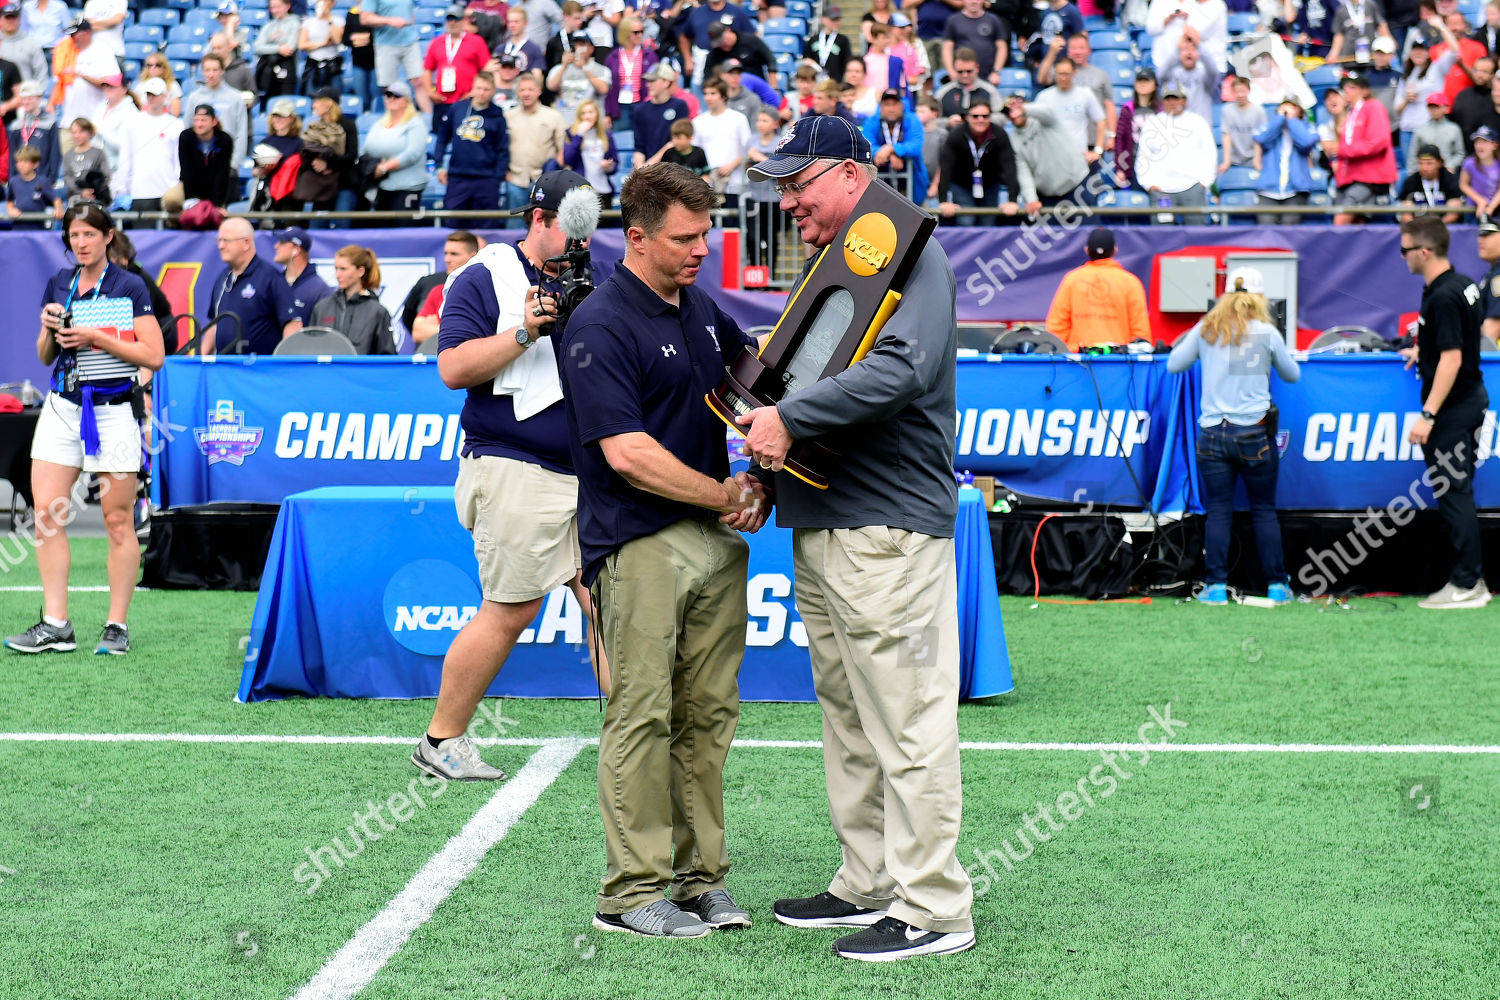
x: 1181, y: 105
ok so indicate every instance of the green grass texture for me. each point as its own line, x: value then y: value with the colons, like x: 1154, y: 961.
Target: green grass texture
x: 168, y: 870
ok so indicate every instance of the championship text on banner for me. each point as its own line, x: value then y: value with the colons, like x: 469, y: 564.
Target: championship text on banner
x: 1114, y: 431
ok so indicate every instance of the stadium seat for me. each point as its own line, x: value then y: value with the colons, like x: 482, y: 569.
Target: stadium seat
x: 202, y: 15
x: 183, y: 71
x: 161, y: 17
x: 1245, y: 23
x: 786, y: 64
x: 303, y: 104
x: 1239, y: 179
x: 1109, y: 39
x: 1109, y: 59
x: 130, y: 68
x: 789, y: 44
x: 425, y: 32
x: 140, y: 50
x: 1122, y: 76
x: 253, y: 18
x: 1218, y: 119
x: 1123, y: 95
x: 251, y: 5
x: 351, y: 106
x: 1129, y: 198
x: 189, y: 52
x: 195, y: 32
x: 1012, y: 80
x: 1239, y: 199
x: 315, y: 340
x: 153, y: 33
x: 785, y: 26
x: 1321, y: 76
x: 799, y: 8
x: 430, y: 15
x: 366, y: 121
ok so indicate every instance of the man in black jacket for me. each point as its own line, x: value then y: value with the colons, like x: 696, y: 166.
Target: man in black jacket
x: 1473, y: 104
x: 206, y: 155
x: 976, y: 161
x: 829, y: 49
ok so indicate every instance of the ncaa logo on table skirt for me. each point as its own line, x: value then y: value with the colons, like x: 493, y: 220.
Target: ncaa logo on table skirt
x: 426, y: 602
x: 226, y: 438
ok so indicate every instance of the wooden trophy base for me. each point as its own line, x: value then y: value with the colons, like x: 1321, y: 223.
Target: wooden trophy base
x: 732, y: 399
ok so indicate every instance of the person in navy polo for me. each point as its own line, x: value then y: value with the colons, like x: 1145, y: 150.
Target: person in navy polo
x: 657, y: 520
x: 292, y: 249
x: 252, y: 291
x: 516, y: 492
x: 653, y: 119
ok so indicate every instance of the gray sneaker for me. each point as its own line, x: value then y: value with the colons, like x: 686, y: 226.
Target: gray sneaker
x: 455, y: 759
x: 717, y: 909
x: 662, y: 918
x: 1453, y: 596
x: 114, y: 641
x: 42, y: 637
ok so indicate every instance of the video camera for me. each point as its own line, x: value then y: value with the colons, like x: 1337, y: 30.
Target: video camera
x: 578, y: 217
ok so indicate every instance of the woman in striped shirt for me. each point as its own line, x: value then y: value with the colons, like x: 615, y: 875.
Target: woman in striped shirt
x: 88, y: 423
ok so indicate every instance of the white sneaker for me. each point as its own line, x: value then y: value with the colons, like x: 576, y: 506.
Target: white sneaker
x: 455, y: 759
x: 1452, y: 596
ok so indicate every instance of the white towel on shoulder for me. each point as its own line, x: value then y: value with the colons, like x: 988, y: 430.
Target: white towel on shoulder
x: 531, y: 379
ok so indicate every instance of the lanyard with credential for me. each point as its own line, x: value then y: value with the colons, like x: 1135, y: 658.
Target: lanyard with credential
x: 94, y: 293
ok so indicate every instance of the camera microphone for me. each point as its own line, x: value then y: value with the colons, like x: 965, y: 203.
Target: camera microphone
x: 578, y: 214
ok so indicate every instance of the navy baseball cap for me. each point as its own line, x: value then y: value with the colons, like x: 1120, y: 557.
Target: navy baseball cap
x: 1485, y: 132
x: 296, y: 236
x: 809, y: 139
x: 547, y: 193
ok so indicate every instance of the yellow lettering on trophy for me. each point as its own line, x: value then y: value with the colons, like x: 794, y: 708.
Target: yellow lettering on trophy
x: 870, y: 245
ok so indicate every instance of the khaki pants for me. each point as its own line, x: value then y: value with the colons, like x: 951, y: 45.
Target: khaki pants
x: 672, y: 615
x: 881, y: 609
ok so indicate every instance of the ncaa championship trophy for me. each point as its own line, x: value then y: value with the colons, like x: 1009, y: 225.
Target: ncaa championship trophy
x: 832, y: 317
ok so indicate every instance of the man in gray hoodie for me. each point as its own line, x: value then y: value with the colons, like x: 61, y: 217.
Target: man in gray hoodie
x: 1049, y: 165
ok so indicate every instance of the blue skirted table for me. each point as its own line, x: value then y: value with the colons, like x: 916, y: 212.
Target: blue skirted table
x: 366, y: 586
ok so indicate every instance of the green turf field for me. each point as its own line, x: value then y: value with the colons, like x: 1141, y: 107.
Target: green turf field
x: 170, y: 869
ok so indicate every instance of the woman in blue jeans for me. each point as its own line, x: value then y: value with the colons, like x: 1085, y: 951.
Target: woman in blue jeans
x: 1238, y: 347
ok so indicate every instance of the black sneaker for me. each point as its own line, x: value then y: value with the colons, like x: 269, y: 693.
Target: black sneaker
x: 891, y: 940
x: 42, y: 637
x: 115, y: 641
x: 824, y: 910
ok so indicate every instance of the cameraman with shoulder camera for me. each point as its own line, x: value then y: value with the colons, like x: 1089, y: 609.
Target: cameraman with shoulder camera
x: 516, y: 491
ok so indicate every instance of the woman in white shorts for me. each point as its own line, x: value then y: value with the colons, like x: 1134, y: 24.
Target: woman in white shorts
x: 88, y: 423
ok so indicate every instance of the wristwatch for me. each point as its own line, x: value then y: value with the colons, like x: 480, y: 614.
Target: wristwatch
x: 1429, y: 416
x: 523, y: 338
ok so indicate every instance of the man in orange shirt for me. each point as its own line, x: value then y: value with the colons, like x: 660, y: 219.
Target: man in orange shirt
x: 1100, y: 302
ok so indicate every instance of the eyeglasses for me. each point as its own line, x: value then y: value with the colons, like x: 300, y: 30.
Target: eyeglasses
x: 979, y: 118
x: 1407, y: 250
x: 794, y: 189
x: 390, y: 96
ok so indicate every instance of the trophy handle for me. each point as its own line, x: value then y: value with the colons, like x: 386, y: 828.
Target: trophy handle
x: 887, y: 307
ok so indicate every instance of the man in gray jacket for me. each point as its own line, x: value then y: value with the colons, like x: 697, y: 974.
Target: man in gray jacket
x: 1049, y: 165
x: 876, y: 582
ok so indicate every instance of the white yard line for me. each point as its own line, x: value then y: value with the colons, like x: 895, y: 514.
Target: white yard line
x: 1017, y: 747
x: 352, y: 968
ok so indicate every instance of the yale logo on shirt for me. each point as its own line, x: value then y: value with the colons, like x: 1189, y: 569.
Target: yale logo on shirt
x: 870, y: 245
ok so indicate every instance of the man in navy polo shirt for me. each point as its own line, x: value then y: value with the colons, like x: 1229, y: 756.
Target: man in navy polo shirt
x: 516, y: 492
x: 657, y: 514
x: 252, y: 290
x: 877, y: 582
x: 293, y: 246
